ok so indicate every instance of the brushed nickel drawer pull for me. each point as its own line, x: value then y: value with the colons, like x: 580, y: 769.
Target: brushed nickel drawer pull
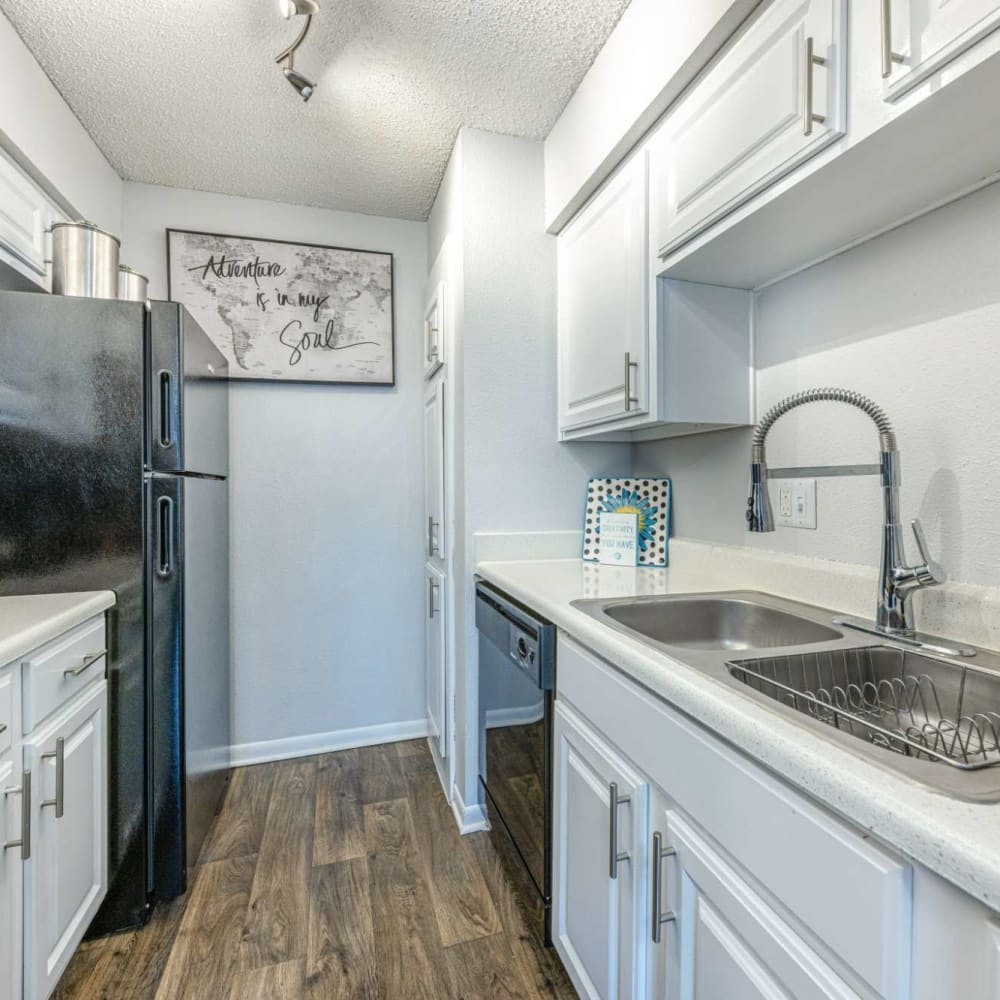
x: 660, y: 853
x: 24, y: 790
x: 888, y: 56
x: 614, y: 855
x: 60, y: 758
x: 812, y: 60
x: 88, y: 661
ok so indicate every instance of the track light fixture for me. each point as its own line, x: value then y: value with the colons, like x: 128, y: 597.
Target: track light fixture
x: 304, y: 87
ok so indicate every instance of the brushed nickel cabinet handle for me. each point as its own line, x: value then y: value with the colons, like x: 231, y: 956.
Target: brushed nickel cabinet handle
x: 24, y: 790
x: 88, y: 661
x: 888, y: 56
x: 60, y: 758
x: 614, y: 855
x: 432, y: 585
x: 629, y: 365
x: 812, y: 60
x: 660, y: 853
x: 432, y: 344
x: 3, y: 727
x: 433, y: 549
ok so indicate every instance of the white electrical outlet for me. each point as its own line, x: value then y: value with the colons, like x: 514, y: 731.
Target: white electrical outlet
x: 796, y: 503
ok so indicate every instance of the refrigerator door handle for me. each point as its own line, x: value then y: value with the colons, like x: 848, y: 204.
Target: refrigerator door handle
x: 166, y: 409
x: 164, y: 536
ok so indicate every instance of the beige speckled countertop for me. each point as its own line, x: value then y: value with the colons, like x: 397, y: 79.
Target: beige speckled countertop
x: 959, y: 840
x: 30, y: 621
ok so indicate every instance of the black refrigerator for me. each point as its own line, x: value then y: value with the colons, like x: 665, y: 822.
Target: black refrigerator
x: 114, y: 461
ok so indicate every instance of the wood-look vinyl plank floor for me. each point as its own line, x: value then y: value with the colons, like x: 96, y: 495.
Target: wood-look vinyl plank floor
x: 340, y: 877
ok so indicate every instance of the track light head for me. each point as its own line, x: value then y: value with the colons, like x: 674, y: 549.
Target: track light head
x: 302, y: 84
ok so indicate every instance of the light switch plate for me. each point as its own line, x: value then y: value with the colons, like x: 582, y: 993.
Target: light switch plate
x: 796, y: 503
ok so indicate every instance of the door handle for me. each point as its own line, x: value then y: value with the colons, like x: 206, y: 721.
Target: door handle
x: 24, y: 790
x: 60, y: 758
x: 629, y: 365
x: 660, y: 853
x: 888, y: 56
x: 812, y: 60
x: 614, y: 855
x: 166, y: 409
x: 164, y: 537
x: 88, y: 661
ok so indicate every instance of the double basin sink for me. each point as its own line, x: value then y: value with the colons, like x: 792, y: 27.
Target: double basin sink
x: 934, y: 718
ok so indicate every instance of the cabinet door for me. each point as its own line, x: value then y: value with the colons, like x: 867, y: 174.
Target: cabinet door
x: 764, y: 108
x: 603, y: 306
x: 924, y: 35
x: 67, y: 872
x: 434, y: 513
x: 435, y: 318
x: 436, y: 660
x: 10, y: 880
x: 25, y: 217
x: 596, y: 916
x: 722, y: 939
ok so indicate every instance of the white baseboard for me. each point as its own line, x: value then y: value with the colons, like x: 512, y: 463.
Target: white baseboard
x: 339, y: 739
x: 470, y: 819
x: 497, y: 718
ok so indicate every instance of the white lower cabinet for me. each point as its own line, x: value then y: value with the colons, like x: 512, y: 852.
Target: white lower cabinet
x: 66, y: 874
x: 10, y: 880
x: 435, y: 659
x: 599, y: 819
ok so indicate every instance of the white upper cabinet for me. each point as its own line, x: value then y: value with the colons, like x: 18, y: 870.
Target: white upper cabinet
x: 434, y: 477
x: 921, y: 36
x: 435, y: 317
x: 26, y: 213
x: 603, y: 313
x: 773, y: 100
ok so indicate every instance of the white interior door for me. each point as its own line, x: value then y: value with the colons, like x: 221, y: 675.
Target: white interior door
x: 927, y: 34
x: 67, y: 871
x: 603, y: 312
x: 595, y: 915
x: 435, y: 659
x: 434, y: 506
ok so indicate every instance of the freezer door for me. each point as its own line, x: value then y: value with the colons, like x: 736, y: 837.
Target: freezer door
x: 189, y: 571
x: 188, y: 419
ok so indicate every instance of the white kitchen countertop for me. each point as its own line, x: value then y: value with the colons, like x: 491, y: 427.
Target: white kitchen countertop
x: 30, y: 621
x: 959, y: 840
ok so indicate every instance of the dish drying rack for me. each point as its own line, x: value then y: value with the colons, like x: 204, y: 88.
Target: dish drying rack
x: 898, y: 710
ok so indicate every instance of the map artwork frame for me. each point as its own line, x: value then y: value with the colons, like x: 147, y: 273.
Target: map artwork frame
x: 283, y: 311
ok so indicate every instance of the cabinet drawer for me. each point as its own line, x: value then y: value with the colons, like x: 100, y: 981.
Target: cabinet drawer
x: 6, y: 709
x: 798, y: 853
x: 64, y: 667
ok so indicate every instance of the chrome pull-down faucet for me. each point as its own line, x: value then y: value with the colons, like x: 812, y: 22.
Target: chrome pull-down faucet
x: 897, y: 580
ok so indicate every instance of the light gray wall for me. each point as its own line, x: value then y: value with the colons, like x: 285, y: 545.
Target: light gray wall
x: 911, y: 319
x: 326, y: 517
x: 40, y: 129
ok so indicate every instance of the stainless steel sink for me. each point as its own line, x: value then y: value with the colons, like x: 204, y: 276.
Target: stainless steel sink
x: 914, y: 705
x: 724, y: 622
x: 934, y: 718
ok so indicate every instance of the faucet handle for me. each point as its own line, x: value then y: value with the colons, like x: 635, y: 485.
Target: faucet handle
x: 931, y: 572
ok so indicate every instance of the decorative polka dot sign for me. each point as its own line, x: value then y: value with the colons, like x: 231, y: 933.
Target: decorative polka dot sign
x: 648, y: 499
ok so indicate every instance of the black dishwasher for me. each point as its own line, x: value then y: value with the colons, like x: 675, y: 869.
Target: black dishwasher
x: 516, y: 693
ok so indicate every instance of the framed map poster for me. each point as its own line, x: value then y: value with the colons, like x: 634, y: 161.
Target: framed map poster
x: 289, y: 312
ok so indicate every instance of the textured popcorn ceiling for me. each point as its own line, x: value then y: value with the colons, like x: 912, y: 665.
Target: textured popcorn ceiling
x: 186, y: 92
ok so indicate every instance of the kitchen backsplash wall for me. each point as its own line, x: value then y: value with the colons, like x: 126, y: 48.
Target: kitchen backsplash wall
x: 326, y: 519
x: 911, y: 319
